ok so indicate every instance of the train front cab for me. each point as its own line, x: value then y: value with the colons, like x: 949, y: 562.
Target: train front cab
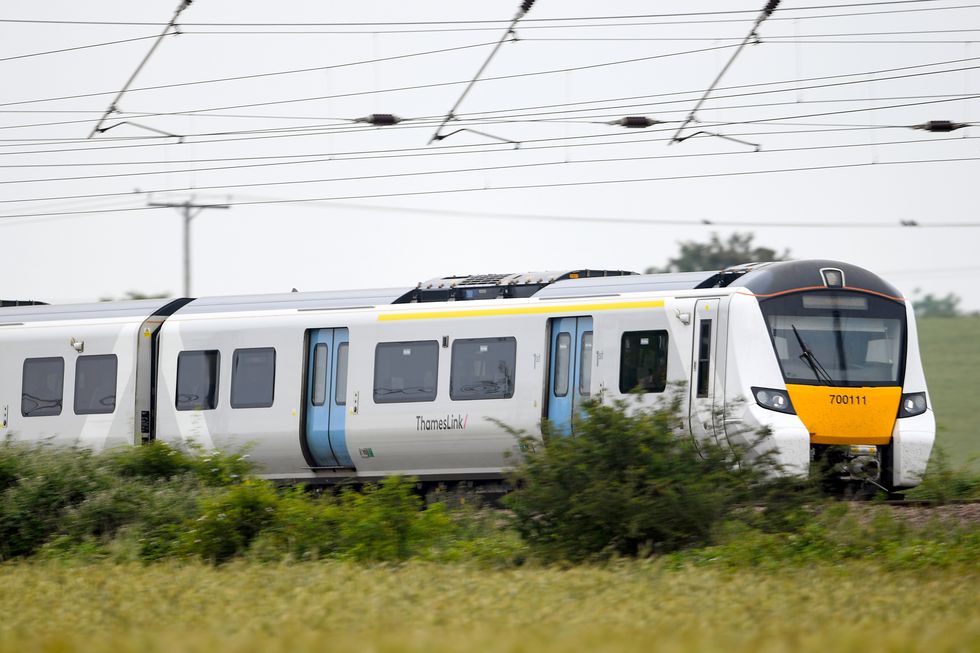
x: 847, y: 378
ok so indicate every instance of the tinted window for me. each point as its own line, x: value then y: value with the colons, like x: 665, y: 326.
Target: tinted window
x: 405, y: 371
x: 197, y: 380
x: 483, y: 369
x: 320, y: 361
x: 253, y: 377
x: 704, y: 358
x: 643, y: 361
x: 340, y: 396
x: 562, y: 357
x: 585, y: 365
x: 43, y: 387
x: 95, y: 384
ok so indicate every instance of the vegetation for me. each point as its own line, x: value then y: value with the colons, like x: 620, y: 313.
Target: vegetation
x: 431, y: 608
x: 932, y: 306
x: 951, y: 357
x: 111, y: 552
x: 718, y: 255
x: 624, y: 483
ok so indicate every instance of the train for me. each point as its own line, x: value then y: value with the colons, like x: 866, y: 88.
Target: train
x: 432, y: 380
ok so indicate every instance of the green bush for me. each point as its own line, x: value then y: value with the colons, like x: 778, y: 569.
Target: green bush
x: 943, y: 483
x: 386, y: 522
x: 42, y: 483
x: 625, y: 483
x: 839, y: 533
x: 230, y: 521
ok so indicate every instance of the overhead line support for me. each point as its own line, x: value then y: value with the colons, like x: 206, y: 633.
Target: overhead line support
x: 753, y: 34
x: 524, y: 8
x: 184, y: 4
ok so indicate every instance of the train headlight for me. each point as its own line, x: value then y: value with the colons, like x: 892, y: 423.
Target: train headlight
x: 772, y: 399
x: 913, y: 403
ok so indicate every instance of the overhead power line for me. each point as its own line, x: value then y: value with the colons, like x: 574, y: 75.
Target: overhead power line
x: 78, y: 47
x: 358, y: 63
x: 451, y: 171
x: 568, y: 184
x: 461, y: 22
x: 230, y: 135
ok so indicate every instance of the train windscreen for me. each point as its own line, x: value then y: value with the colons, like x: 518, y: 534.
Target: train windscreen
x: 837, y: 338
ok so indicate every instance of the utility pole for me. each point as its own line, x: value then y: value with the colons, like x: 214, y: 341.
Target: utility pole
x: 190, y: 211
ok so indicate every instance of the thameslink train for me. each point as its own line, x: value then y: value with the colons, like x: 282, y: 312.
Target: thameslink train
x: 324, y: 386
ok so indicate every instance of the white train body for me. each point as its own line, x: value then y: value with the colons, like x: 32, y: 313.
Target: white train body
x: 326, y: 386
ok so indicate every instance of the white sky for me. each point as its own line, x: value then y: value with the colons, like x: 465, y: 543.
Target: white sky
x: 373, y: 242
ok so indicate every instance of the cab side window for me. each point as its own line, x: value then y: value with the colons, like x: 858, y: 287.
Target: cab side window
x: 643, y: 361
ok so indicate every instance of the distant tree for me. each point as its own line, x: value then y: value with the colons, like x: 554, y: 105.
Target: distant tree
x: 932, y: 306
x: 717, y: 254
x: 134, y: 294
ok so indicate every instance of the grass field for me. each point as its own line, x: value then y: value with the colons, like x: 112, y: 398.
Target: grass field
x: 951, y: 357
x: 434, y: 608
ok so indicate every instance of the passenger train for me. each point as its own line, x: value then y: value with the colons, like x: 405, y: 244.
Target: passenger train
x: 325, y: 386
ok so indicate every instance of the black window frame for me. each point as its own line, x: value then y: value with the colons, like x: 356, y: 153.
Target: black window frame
x: 234, y: 370
x: 453, y: 378
x: 661, y: 377
x: 115, y: 381
x: 183, y: 406
x: 48, y: 411
x: 394, y: 398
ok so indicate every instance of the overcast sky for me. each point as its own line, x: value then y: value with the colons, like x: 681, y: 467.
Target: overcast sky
x: 376, y: 219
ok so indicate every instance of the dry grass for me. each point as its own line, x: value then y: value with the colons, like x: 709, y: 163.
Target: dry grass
x: 244, y: 608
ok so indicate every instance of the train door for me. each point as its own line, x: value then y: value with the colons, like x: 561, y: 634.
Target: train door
x: 569, y: 370
x: 326, y: 398
x: 703, y: 420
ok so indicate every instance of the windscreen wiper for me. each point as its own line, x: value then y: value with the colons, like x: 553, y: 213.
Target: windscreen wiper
x: 807, y: 356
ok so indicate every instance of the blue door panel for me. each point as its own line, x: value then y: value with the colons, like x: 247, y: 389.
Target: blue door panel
x: 564, y: 373
x: 338, y: 404
x: 325, y: 416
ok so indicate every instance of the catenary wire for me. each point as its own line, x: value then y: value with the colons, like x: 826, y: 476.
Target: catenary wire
x: 357, y: 63
x: 458, y: 22
x: 77, y: 47
x: 21, y: 142
x: 568, y: 184
x: 426, y: 173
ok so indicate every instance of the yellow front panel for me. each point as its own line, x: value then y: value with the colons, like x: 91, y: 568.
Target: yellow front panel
x: 846, y: 415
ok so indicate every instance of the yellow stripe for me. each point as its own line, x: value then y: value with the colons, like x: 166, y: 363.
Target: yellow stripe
x: 519, y: 310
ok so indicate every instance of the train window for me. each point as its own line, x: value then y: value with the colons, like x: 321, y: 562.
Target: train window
x: 643, y: 361
x: 340, y: 396
x: 253, y: 377
x: 320, y: 361
x: 43, y: 387
x: 405, y: 371
x: 562, y: 364
x: 585, y: 365
x: 704, y: 358
x: 95, y: 384
x: 197, y: 380
x: 483, y: 368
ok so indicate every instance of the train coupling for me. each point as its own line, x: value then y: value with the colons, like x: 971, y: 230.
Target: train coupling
x: 852, y: 462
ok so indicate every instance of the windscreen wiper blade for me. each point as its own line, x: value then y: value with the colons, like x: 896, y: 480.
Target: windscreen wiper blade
x: 818, y: 370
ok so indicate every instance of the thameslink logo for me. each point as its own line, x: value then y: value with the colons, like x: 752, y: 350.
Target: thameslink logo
x: 449, y: 423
